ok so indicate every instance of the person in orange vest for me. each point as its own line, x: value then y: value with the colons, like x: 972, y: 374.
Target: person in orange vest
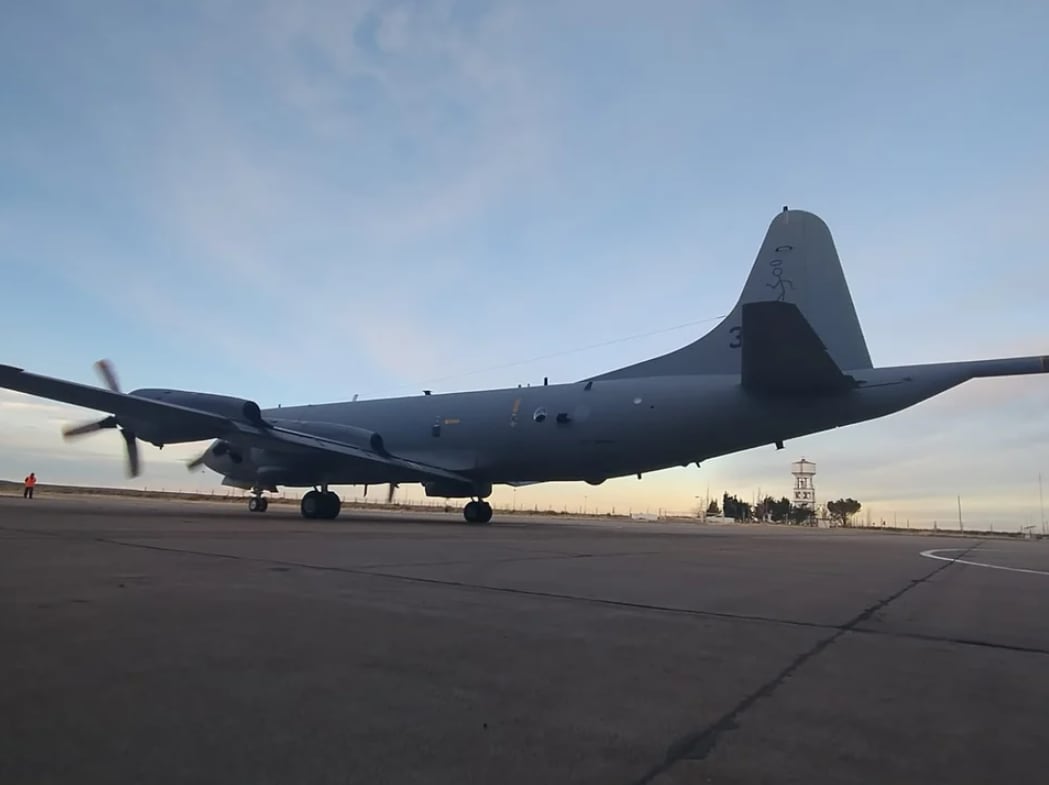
x: 30, y: 483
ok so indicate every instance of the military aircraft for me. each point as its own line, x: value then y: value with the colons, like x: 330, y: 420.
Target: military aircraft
x: 789, y: 360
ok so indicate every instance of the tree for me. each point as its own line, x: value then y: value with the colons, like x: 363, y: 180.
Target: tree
x: 734, y: 508
x: 778, y: 510
x: 713, y: 509
x: 843, y: 509
x: 801, y: 514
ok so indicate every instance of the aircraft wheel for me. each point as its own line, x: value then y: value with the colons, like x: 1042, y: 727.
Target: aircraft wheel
x: 470, y: 512
x: 477, y: 512
x: 312, y: 505
x: 257, y: 504
x: 332, y: 505
x: 263, y: 504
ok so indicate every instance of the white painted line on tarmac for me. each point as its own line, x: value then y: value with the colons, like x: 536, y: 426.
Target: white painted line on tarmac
x: 934, y: 554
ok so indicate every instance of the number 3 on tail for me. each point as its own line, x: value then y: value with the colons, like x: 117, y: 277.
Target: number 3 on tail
x: 737, y: 337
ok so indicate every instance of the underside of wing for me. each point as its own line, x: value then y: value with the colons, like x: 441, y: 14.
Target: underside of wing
x: 372, y: 456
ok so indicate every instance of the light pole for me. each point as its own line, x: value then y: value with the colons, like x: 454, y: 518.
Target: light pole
x: 1041, y: 501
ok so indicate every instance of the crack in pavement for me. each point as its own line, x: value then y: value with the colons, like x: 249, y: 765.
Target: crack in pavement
x: 699, y: 744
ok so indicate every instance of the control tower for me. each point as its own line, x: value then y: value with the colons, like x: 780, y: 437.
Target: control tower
x: 804, y: 488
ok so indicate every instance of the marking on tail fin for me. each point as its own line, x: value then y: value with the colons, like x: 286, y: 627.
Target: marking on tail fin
x: 779, y: 283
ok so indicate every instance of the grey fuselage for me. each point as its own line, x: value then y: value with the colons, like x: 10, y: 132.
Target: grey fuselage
x: 592, y: 431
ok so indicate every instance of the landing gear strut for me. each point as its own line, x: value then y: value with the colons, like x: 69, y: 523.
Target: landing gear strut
x: 257, y: 502
x: 321, y: 504
x: 477, y: 512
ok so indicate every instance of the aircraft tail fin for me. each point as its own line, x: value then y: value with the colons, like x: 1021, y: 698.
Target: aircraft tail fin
x: 797, y: 264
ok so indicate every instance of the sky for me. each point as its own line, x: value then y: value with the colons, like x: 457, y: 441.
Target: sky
x: 302, y: 201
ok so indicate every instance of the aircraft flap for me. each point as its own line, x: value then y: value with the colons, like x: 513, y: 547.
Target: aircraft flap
x: 781, y: 353
x: 278, y: 438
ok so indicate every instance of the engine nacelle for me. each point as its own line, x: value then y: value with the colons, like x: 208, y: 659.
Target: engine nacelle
x: 225, y: 405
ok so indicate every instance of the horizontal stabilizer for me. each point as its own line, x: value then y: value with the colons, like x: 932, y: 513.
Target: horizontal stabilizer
x: 783, y: 354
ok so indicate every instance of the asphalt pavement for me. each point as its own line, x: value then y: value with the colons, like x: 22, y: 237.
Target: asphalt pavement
x: 176, y: 642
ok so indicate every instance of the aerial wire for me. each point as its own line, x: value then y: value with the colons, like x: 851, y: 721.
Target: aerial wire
x: 576, y: 350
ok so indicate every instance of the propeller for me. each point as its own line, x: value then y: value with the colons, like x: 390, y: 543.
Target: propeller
x: 218, y: 449
x: 109, y: 378
x: 196, y: 462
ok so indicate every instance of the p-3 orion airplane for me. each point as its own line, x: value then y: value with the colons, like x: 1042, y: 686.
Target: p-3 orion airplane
x: 789, y: 360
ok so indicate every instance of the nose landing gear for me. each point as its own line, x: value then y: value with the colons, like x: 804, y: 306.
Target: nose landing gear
x: 257, y: 502
x: 478, y: 511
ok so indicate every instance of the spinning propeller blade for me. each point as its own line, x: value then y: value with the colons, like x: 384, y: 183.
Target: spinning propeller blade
x: 71, y: 431
x: 196, y: 462
x: 132, y: 452
x: 109, y: 378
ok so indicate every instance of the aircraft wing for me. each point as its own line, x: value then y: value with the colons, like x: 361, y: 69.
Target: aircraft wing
x: 283, y: 439
x: 193, y: 424
x: 120, y: 404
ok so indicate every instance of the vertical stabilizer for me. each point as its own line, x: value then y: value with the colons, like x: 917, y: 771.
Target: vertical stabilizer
x: 797, y: 264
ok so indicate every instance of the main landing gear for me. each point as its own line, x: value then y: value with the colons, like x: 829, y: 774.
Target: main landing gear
x: 321, y: 504
x: 478, y: 512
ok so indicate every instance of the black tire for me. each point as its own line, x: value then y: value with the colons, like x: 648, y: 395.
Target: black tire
x: 253, y: 504
x: 485, y: 513
x: 263, y: 504
x: 332, y: 506
x: 312, y: 505
x: 472, y: 512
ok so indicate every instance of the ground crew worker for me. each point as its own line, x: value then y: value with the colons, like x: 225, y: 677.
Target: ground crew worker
x: 30, y: 483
